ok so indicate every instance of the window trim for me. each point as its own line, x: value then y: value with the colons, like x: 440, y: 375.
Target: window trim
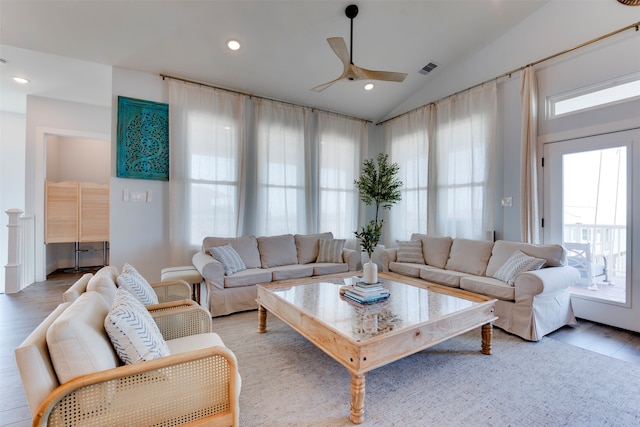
x: 553, y: 100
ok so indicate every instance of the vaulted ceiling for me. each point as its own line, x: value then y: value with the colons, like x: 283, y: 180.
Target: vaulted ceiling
x: 67, y: 48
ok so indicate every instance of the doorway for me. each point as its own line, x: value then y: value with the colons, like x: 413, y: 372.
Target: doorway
x: 589, y: 207
x: 65, y: 155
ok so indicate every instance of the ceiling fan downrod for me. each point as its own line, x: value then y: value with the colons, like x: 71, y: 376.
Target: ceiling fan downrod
x: 351, y: 11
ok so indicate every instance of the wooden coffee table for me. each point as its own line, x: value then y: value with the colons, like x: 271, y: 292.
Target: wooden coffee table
x: 416, y: 316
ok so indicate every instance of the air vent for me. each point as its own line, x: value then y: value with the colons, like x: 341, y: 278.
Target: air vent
x: 428, y: 68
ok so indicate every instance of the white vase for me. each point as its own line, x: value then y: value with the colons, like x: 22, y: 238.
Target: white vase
x: 370, y: 272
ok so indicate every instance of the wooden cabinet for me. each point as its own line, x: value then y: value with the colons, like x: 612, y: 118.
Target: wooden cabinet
x: 76, y: 212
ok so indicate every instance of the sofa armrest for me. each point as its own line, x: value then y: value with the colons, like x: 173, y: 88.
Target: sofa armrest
x: 200, y: 385
x: 211, y: 270
x: 172, y: 290
x: 544, y: 281
x: 77, y: 289
x: 351, y: 258
x: 178, y: 319
x: 387, y: 256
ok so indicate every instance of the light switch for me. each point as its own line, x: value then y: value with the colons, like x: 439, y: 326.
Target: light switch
x: 139, y: 197
x: 126, y: 195
x: 506, y: 202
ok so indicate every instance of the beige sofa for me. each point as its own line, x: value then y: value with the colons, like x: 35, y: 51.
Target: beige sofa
x: 266, y: 259
x: 72, y: 375
x: 532, y: 304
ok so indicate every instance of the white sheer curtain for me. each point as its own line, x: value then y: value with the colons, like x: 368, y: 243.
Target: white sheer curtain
x: 206, y: 176
x: 280, y: 168
x: 407, y: 143
x: 529, y: 231
x: 464, y: 164
x: 341, y: 148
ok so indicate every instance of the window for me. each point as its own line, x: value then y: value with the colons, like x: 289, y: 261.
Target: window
x: 594, y: 96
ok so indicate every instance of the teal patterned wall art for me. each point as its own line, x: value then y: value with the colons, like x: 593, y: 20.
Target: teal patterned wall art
x: 143, y: 139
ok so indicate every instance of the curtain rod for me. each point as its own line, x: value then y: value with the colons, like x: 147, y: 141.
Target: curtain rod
x: 509, y: 73
x: 166, y: 76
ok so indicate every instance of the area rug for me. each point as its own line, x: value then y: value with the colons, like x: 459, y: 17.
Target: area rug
x: 287, y: 381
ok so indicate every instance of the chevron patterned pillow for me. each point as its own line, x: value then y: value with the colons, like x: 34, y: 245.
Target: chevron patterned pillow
x: 517, y: 263
x: 229, y: 258
x: 137, y: 285
x: 132, y: 331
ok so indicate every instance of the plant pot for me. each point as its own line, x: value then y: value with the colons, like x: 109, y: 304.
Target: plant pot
x: 370, y: 272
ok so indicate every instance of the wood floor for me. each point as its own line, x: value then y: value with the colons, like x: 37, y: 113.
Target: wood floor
x: 20, y: 313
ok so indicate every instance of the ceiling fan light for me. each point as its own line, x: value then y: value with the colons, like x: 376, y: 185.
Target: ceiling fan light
x: 233, y: 44
x: 368, y: 86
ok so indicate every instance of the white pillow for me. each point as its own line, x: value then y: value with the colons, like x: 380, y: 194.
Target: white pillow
x: 132, y: 331
x: 410, y: 251
x: 517, y: 263
x: 229, y: 258
x: 137, y: 285
x: 330, y: 250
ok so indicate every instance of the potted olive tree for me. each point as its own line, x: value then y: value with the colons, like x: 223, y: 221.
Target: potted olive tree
x: 378, y: 185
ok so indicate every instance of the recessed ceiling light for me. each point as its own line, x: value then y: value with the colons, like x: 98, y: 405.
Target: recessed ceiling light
x: 233, y: 44
x: 21, y: 80
x: 368, y: 86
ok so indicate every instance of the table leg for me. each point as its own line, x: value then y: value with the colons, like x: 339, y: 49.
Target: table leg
x: 487, y: 332
x: 357, y: 398
x: 262, y: 319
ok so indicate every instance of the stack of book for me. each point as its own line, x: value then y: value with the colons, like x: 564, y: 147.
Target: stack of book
x: 365, y: 293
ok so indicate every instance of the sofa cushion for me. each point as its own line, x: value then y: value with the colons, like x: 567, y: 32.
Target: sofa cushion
x: 77, y: 342
x: 517, y: 263
x: 137, y: 285
x: 307, y: 246
x: 229, y: 258
x: 246, y: 246
x: 410, y: 251
x: 435, y: 250
x: 320, y: 269
x: 248, y: 277
x: 488, y: 286
x: 277, y: 250
x: 330, y: 250
x: 103, y: 285
x: 469, y: 256
x: 555, y: 255
x: 406, y: 269
x: 441, y: 276
x: 132, y: 331
x: 295, y: 271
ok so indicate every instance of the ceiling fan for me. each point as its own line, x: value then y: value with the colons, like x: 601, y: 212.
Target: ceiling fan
x: 352, y: 71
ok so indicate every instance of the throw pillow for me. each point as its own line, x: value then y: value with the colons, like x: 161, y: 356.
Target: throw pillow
x: 410, y: 251
x: 517, y: 263
x: 277, y: 250
x: 229, y: 258
x: 137, y: 285
x: 330, y: 250
x: 132, y: 331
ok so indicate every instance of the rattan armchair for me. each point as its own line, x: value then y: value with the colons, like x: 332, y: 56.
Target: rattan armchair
x: 197, y: 384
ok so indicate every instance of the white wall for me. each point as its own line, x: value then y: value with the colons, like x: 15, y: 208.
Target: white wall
x: 139, y: 231
x: 12, y: 149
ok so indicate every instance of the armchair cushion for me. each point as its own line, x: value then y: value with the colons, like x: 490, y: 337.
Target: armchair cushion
x: 77, y: 341
x: 137, y: 285
x: 229, y: 258
x: 330, y: 250
x: 103, y: 285
x: 132, y: 331
x: 277, y: 250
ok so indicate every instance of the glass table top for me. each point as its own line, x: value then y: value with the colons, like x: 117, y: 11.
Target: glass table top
x: 406, y: 306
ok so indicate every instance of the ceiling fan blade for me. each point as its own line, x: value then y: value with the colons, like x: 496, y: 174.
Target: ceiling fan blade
x: 340, y: 48
x: 323, y: 86
x: 388, y: 76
